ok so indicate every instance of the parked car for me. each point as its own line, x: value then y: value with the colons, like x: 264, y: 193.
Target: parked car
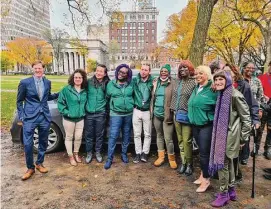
x: 57, y: 132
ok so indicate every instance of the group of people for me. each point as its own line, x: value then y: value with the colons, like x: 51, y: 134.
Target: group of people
x: 217, y: 105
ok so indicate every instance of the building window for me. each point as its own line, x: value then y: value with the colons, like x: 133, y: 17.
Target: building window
x: 152, y: 31
x: 153, y: 17
x: 153, y: 24
x: 147, y: 17
x: 147, y: 24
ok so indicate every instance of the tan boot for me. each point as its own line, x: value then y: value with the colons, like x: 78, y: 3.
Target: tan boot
x: 161, y: 158
x: 199, y: 180
x: 172, y: 161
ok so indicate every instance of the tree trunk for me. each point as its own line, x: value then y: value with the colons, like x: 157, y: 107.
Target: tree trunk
x: 201, y: 31
x: 268, y: 50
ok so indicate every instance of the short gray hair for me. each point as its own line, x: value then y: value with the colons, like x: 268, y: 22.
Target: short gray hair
x: 206, y: 70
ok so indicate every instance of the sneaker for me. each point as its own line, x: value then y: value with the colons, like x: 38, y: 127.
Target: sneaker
x: 144, y: 157
x: 124, y: 158
x: 244, y: 162
x: 89, y: 157
x: 107, y: 164
x: 99, y: 157
x: 137, y: 158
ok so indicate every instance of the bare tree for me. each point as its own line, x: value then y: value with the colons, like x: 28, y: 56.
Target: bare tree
x: 201, y: 30
x: 114, y: 49
x: 259, y: 14
x: 58, y: 40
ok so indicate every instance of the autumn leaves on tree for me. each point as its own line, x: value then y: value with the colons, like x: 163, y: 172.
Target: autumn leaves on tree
x: 237, y: 30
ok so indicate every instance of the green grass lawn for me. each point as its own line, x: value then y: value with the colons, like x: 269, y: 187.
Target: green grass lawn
x: 8, y: 99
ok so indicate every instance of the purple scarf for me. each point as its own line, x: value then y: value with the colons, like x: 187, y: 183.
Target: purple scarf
x: 220, y: 127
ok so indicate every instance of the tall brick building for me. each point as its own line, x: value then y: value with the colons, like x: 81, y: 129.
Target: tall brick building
x: 137, y: 36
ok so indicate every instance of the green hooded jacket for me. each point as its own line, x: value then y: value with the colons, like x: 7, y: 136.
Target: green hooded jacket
x: 142, y: 92
x: 201, y: 106
x: 96, y: 95
x: 71, y: 104
x: 121, y: 101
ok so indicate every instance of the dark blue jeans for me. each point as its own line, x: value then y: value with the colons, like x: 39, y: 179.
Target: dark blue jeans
x: 117, y: 124
x: 94, y: 129
x: 43, y: 126
x: 203, y: 136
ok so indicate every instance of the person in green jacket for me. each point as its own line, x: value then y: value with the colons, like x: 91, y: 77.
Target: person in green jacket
x: 141, y: 115
x: 231, y: 129
x: 71, y: 105
x: 96, y: 112
x: 119, y: 93
x: 163, y: 116
x: 201, y: 110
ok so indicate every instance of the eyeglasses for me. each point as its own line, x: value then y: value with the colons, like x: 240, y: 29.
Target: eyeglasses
x: 123, y: 73
x: 250, y: 68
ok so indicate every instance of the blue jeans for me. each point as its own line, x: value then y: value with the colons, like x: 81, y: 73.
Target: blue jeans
x: 94, y: 129
x: 117, y: 124
x: 43, y: 126
x: 203, y: 136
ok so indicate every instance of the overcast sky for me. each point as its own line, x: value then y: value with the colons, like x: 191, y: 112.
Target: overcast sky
x: 165, y: 7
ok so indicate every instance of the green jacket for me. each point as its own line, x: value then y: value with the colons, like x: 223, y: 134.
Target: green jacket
x: 121, y: 100
x: 201, y: 106
x: 146, y: 95
x: 71, y: 104
x: 168, y: 114
x: 96, y: 96
x: 239, y: 124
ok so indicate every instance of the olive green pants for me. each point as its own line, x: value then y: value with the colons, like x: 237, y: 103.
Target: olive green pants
x: 226, y: 175
x: 184, y: 135
x: 164, y: 132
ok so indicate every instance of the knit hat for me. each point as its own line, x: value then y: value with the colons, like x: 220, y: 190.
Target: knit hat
x: 167, y: 66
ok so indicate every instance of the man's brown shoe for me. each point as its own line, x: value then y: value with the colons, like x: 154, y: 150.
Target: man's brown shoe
x: 41, y: 168
x: 28, y: 174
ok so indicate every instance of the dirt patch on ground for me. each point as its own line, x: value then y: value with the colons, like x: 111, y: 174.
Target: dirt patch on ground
x: 124, y: 186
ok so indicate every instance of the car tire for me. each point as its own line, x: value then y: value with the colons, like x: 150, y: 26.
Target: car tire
x: 55, y: 139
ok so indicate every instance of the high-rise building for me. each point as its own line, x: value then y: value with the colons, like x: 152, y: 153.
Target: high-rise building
x: 136, y: 33
x: 24, y: 18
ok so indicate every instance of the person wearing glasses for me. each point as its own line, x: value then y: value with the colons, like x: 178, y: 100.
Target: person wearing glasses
x: 119, y: 93
x: 248, y: 72
x: 71, y: 105
x: 182, y: 91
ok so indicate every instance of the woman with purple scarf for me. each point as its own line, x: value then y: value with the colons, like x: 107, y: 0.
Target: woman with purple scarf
x: 231, y: 109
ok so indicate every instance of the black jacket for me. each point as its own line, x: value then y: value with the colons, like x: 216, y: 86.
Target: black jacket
x: 245, y: 89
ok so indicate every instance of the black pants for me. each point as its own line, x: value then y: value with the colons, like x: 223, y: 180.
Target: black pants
x: 203, y: 136
x: 94, y: 129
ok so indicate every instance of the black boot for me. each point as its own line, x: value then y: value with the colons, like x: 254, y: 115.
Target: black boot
x: 181, y: 169
x: 189, y: 170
